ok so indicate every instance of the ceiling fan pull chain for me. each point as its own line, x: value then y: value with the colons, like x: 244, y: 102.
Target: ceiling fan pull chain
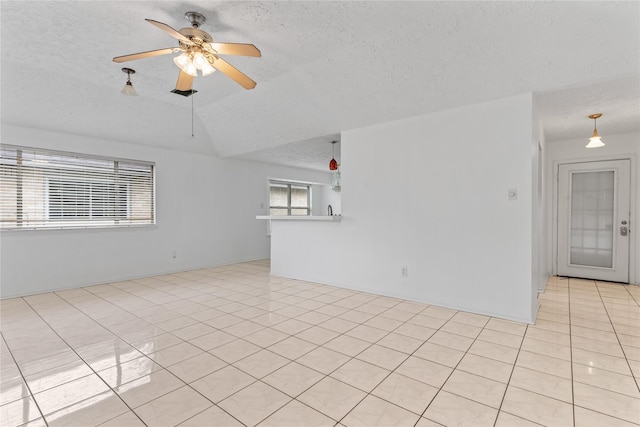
x: 192, y: 92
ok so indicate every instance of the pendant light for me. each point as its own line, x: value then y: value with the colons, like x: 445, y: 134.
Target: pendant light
x: 595, y: 141
x: 128, y: 88
x: 333, y: 164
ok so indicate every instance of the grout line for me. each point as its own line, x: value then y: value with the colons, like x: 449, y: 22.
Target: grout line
x: 617, y: 337
x: 573, y: 397
x: 513, y: 368
x: 22, y: 376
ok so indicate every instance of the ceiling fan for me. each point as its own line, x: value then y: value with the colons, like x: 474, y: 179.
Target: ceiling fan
x: 199, y: 53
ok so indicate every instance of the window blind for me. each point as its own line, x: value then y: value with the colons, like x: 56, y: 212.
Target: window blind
x: 51, y: 189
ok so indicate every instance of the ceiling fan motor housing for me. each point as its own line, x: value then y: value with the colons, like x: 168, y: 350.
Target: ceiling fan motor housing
x: 196, y: 35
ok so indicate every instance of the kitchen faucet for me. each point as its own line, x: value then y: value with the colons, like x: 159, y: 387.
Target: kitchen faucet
x: 330, y: 210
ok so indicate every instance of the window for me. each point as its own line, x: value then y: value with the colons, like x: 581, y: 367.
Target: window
x: 289, y: 198
x: 50, y: 189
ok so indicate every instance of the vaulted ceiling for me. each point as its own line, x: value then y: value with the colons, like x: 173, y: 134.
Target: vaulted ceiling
x: 325, y: 67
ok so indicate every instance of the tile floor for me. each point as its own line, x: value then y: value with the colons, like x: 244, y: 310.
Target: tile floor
x: 233, y: 346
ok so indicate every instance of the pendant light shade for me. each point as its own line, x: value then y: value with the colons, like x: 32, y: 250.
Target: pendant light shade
x: 128, y: 88
x: 333, y: 164
x: 595, y: 141
x: 335, y: 182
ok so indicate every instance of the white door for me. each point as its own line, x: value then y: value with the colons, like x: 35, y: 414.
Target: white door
x: 593, y: 220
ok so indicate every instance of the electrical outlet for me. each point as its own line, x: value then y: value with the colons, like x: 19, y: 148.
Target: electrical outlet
x: 174, y: 254
x: 405, y: 271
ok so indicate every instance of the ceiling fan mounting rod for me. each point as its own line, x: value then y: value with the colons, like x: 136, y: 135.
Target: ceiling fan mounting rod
x: 195, y: 19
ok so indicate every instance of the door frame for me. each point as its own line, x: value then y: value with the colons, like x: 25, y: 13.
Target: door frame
x: 634, y: 221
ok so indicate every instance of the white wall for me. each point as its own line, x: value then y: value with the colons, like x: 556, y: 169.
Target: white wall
x: 429, y: 193
x: 332, y: 198
x: 323, y: 196
x: 617, y: 147
x: 206, y: 208
x: 540, y: 273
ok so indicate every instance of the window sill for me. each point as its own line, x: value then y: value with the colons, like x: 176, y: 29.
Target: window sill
x: 334, y: 218
x: 79, y: 227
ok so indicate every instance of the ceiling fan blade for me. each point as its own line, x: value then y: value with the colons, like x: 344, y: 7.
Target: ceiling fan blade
x: 185, y: 81
x: 171, y: 31
x: 233, y: 73
x: 147, y: 54
x: 242, y: 49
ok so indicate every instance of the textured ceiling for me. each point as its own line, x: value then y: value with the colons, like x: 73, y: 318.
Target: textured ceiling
x: 326, y: 67
x: 565, y: 112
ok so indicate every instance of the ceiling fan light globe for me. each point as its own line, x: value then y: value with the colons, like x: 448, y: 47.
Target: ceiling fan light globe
x: 182, y: 60
x: 199, y: 60
x: 191, y: 70
x: 207, y: 69
x: 185, y: 63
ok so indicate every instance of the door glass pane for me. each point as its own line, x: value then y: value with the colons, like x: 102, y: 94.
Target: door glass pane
x: 592, y: 218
